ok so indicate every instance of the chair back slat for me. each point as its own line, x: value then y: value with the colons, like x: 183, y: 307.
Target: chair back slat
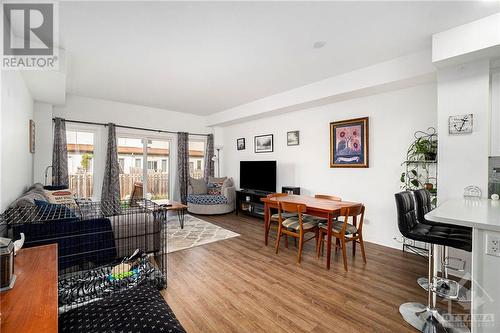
x: 327, y: 197
x: 292, y: 207
x: 356, y: 213
x: 275, y: 195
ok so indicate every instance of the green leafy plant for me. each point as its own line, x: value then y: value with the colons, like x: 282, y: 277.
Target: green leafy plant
x: 420, y: 157
x: 85, y: 162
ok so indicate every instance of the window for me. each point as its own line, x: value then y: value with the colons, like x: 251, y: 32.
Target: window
x: 80, y: 146
x: 138, y: 162
x: 133, y: 151
x: 196, y: 158
x: 158, y: 154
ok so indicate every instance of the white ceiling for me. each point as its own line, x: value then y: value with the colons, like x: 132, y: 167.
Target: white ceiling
x: 206, y: 57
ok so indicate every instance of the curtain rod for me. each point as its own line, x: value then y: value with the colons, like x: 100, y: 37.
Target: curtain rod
x: 123, y: 126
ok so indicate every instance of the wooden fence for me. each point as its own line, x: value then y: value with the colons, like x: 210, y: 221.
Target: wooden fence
x: 82, y: 184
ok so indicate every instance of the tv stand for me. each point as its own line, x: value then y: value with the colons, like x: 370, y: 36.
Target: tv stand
x: 248, y: 202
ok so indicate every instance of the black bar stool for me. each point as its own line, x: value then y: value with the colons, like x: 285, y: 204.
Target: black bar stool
x: 444, y: 288
x: 427, y: 318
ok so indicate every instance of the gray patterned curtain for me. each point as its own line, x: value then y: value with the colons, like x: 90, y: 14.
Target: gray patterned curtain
x: 209, y: 163
x: 60, y: 154
x: 111, y: 185
x: 183, y: 164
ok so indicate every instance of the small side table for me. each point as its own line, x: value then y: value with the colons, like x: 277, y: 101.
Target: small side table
x: 166, y: 205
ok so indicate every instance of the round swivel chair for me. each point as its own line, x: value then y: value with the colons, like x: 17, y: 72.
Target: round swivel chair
x: 427, y: 318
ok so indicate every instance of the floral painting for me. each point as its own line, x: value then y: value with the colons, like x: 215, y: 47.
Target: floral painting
x: 349, y: 143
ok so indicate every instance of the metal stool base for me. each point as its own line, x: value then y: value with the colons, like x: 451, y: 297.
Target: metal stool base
x: 431, y: 320
x: 464, y: 294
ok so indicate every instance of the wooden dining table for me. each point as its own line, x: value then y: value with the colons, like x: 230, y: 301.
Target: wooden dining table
x: 325, y: 208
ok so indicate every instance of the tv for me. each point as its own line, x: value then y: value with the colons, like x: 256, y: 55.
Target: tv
x: 258, y: 175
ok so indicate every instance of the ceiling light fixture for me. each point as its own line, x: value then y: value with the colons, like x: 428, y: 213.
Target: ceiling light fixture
x: 319, y: 44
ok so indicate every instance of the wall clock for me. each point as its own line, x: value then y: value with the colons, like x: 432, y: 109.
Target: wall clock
x: 460, y: 124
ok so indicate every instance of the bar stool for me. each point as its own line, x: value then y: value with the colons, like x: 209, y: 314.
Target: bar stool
x: 452, y: 291
x: 427, y: 318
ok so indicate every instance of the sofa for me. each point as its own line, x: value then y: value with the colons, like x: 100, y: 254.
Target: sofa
x: 218, y: 196
x: 131, y: 228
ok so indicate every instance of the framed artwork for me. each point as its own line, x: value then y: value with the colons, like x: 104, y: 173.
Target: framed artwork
x: 240, y: 144
x: 349, y: 143
x: 264, y: 143
x: 292, y: 138
x: 461, y: 124
x: 32, y: 136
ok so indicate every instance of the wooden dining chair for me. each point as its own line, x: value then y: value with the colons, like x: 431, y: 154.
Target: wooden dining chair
x: 327, y: 197
x: 137, y: 193
x: 345, y: 232
x: 273, y: 218
x: 296, y: 226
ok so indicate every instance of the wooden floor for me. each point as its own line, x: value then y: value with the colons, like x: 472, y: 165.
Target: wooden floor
x: 241, y: 285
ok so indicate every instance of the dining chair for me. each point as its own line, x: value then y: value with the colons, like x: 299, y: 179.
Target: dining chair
x: 328, y: 197
x: 345, y: 232
x: 296, y: 226
x: 273, y: 218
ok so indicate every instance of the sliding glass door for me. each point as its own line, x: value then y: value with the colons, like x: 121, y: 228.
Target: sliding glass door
x: 158, y: 158
x: 144, y: 167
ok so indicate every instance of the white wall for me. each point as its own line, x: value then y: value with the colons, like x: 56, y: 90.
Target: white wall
x: 17, y: 161
x: 394, y: 117
x: 44, y: 135
x: 463, y: 159
x: 99, y: 110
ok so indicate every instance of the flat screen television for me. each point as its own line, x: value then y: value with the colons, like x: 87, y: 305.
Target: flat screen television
x: 258, y: 175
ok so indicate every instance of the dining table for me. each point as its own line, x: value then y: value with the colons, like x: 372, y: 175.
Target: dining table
x: 319, y: 207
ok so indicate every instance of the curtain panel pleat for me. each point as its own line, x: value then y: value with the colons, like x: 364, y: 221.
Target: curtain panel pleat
x: 110, y: 194
x: 60, y: 154
x: 183, y: 164
x: 209, y: 154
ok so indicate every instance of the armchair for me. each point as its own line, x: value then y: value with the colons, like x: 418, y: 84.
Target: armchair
x: 205, y: 200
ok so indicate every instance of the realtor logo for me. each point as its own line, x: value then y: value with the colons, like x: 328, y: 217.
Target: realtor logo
x: 28, y: 36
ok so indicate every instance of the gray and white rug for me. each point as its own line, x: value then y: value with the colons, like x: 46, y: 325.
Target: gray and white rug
x: 196, y: 232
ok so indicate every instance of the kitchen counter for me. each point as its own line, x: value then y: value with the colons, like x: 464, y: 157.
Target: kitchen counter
x: 473, y: 212
x: 483, y: 216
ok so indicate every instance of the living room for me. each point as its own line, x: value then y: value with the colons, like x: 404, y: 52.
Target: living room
x: 179, y: 153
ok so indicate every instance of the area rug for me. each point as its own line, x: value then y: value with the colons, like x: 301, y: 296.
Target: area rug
x: 196, y: 232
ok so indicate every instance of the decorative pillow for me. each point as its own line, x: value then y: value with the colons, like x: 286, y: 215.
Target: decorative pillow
x: 214, y: 188
x: 61, y: 197
x: 228, y: 183
x: 215, y: 185
x: 216, y: 180
x: 198, y: 186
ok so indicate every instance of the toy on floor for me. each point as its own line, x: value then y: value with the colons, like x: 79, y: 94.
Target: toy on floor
x: 125, y: 268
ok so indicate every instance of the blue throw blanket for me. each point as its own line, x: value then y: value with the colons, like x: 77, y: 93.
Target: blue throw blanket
x: 79, y: 242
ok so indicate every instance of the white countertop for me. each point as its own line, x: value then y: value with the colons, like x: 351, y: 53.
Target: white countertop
x: 474, y: 212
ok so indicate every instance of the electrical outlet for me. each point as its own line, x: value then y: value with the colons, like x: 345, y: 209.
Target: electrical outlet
x: 493, y: 245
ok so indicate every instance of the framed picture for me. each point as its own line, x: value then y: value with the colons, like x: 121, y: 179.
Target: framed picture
x: 264, y: 143
x: 240, y: 144
x: 292, y: 138
x: 461, y: 124
x: 349, y: 143
x: 32, y: 136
